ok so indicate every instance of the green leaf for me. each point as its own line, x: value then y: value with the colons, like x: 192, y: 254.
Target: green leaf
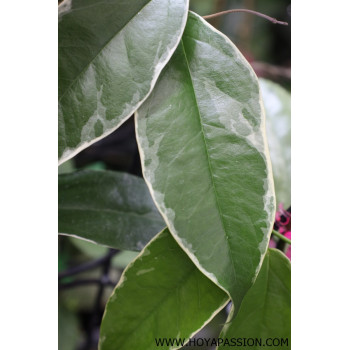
x: 277, y: 107
x: 66, y: 167
x: 110, y: 53
x: 95, y: 251
x: 204, y: 156
x: 265, y: 311
x: 161, y: 294
x: 108, y: 208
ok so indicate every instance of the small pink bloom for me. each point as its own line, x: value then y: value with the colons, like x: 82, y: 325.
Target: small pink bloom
x: 282, y: 225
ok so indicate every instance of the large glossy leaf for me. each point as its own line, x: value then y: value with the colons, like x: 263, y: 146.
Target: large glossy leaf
x: 277, y: 106
x: 160, y: 295
x: 110, y: 53
x: 265, y: 312
x: 204, y: 155
x: 107, y: 207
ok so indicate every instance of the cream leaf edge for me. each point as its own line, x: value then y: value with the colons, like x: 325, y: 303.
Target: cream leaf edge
x: 123, y: 279
x: 69, y: 153
x: 266, y: 155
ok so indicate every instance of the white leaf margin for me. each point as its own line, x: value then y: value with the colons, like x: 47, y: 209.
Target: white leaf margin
x: 69, y: 153
x: 269, y: 183
x: 145, y: 252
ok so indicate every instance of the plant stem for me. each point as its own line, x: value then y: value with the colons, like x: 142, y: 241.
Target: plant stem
x: 271, y: 19
x: 280, y: 236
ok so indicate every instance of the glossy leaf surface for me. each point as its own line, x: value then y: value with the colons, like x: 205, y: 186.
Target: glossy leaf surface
x: 160, y: 295
x: 278, y: 118
x: 204, y: 155
x: 107, y: 207
x: 110, y: 55
x: 266, y: 308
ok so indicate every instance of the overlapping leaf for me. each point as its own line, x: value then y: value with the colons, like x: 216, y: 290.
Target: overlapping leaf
x: 278, y: 114
x: 204, y: 155
x: 160, y: 295
x: 110, y: 208
x: 266, y: 310
x: 110, y: 55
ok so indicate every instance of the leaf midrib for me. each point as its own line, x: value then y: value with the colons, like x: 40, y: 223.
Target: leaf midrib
x: 98, y: 53
x: 209, y: 162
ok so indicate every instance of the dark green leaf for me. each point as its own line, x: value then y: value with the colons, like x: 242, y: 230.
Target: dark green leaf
x: 277, y: 107
x: 204, y: 155
x: 265, y: 311
x: 107, y: 207
x: 160, y: 295
x: 110, y: 53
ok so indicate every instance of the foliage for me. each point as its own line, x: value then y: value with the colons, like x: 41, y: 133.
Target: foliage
x: 208, y: 186
x: 109, y: 208
x: 277, y: 107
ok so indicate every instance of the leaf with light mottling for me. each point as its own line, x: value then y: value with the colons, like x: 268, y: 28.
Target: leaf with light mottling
x: 205, y: 157
x: 110, y: 53
x: 161, y: 294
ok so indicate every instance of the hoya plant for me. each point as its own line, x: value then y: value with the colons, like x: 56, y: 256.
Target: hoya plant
x: 203, y: 214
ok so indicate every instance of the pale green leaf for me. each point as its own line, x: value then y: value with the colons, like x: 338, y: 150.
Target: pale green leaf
x: 161, y: 294
x: 110, y: 53
x: 66, y: 167
x: 89, y: 249
x: 277, y: 106
x: 205, y: 159
x: 266, y: 309
x: 107, y: 207
x: 95, y: 251
x: 123, y: 259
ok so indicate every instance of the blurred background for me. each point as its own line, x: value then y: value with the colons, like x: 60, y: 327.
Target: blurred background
x: 267, y: 47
